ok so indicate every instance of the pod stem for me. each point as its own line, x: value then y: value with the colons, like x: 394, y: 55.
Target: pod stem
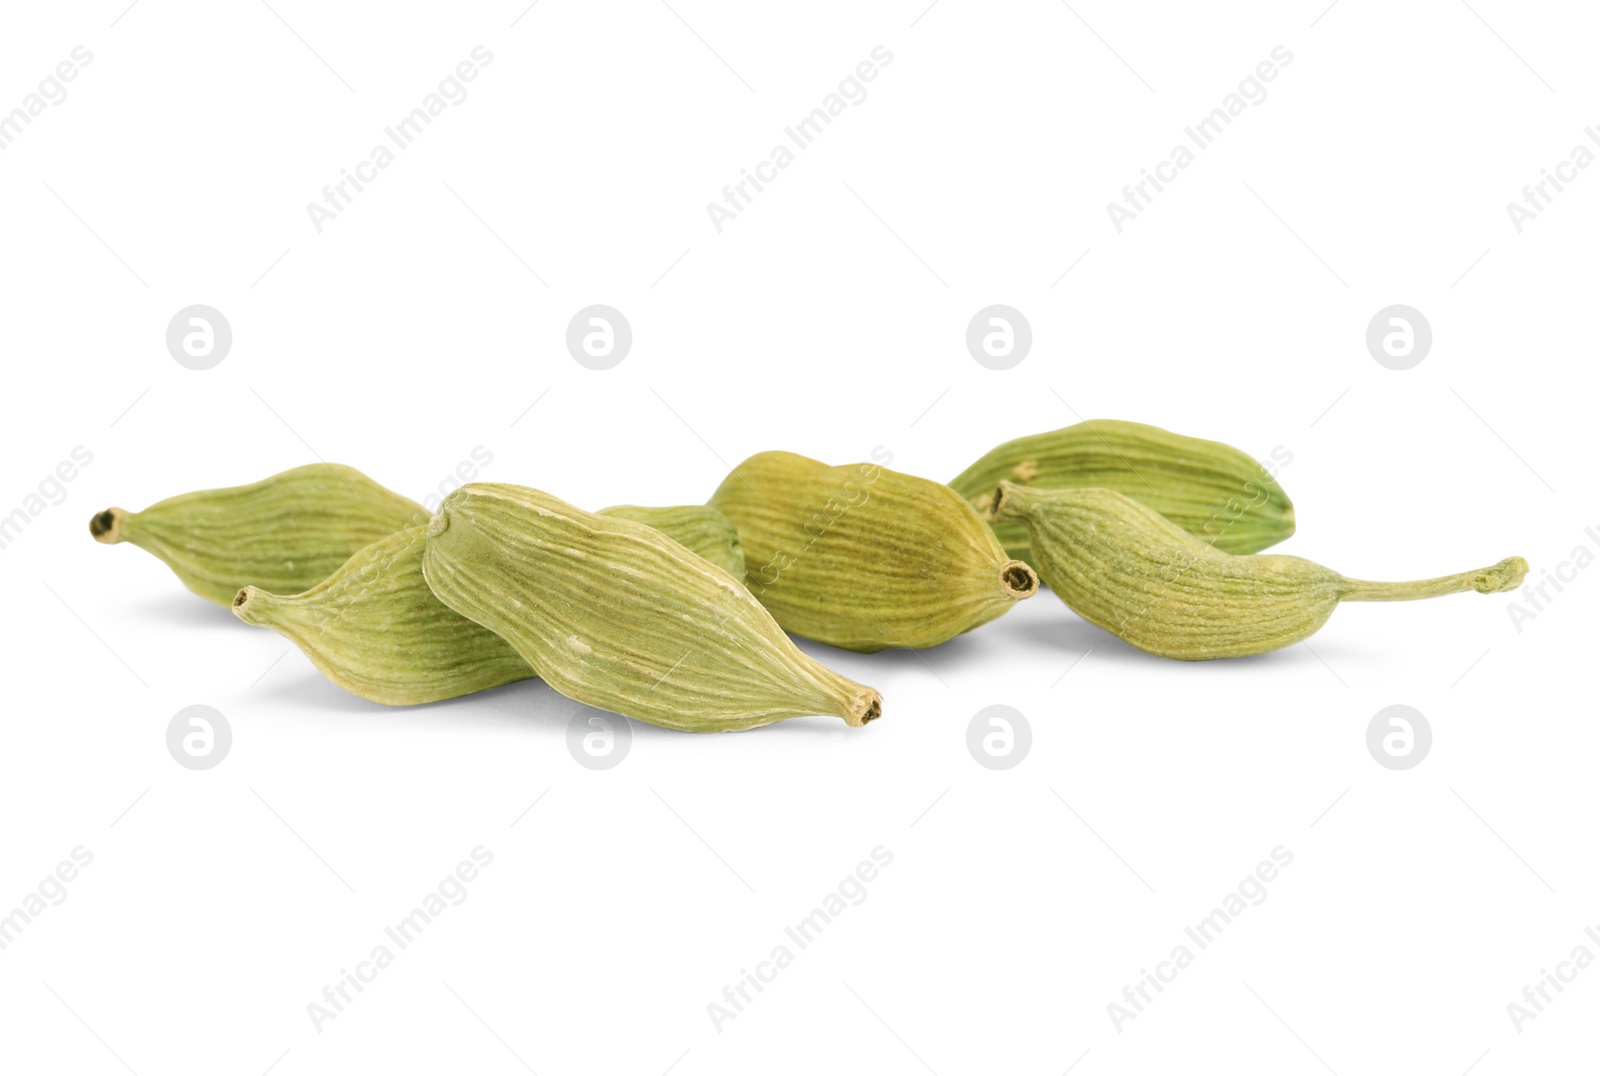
x: 1506, y: 575
x: 107, y: 526
x: 1004, y: 502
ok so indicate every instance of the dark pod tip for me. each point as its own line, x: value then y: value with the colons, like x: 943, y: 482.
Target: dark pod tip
x: 107, y: 526
x: 864, y: 706
x: 1018, y: 579
x: 247, y: 604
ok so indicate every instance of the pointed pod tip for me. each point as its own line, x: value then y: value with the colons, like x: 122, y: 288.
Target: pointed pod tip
x: 247, y: 604
x: 1003, y: 502
x: 866, y: 706
x: 438, y: 524
x: 107, y: 526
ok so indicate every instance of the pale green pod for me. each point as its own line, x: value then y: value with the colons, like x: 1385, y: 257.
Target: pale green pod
x: 615, y: 615
x: 1210, y: 489
x: 286, y: 533
x: 1143, y: 578
x: 865, y: 558
x: 374, y: 628
x: 698, y: 528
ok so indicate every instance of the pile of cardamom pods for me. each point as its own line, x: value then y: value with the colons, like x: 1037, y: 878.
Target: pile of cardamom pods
x: 681, y: 616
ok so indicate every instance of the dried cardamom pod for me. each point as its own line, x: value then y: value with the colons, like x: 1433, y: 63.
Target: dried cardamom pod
x: 617, y: 615
x: 864, y: 558
x: 374, y: 628
x: 1210, y: 489
x: 1138, y: 575
x: 701, y: 529
x: 286, y: 533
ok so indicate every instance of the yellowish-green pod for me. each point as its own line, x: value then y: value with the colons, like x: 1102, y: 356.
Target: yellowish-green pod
x: 1210, y: 489
x: 701, y: 529
x: 865, y: 558
x: 286, y: 533
x: 616, y: 615
x: 1143, y: 578
x: 375, y: 629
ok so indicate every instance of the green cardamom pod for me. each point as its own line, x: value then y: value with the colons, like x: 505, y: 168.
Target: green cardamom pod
x: 1140, y: 576
x: 701, y: 529
x: 286, y: 533
x: 1210, y: 489
x: 616, y: 615
x: 864, y: 558
x: 374, y: 628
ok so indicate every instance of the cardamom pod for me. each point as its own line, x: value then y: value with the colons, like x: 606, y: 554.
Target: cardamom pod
x: 1140, y: 576
x: 286, y: 533
x: 1208, y: 488
x: 616, y: 615
x: 864, y: 558
x: 701, y: 529
x: 374, y: 628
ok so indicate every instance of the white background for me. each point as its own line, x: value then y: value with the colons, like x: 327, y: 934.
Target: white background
x: 827, y: 319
